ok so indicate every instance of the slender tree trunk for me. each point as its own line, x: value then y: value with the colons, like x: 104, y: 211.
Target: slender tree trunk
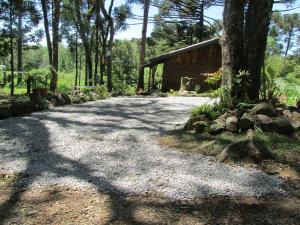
x: 97, y: 42
x: 86, y: 44
x: 201, y: 22
x: 96, y: 55
x: 12, y: 85
x: 20, y: 46
x: 289, y: 41
x: 102, y: 67
x: 109, y: 59
x: 80, y: 65
x: 86, y: 73
x: 55, y: 40
x: 256, y: 32
x: 47, y: 32
x: 143, y: 45
x: 76, y: 59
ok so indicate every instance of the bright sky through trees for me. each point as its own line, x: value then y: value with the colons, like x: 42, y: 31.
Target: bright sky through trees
x: 134, y: 31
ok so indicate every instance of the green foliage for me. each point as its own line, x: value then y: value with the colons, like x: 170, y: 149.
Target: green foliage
x: 209, y: 111
x: 214, y: 78
x: 65, y: 81
x: 102, y: 92
x: 124, y: 64
x: 40, y: 77
x: 240, y: 83
x: 173, y: 93
x: 282, y: 79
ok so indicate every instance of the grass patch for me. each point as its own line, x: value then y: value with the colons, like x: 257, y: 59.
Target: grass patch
x: 283, y: 149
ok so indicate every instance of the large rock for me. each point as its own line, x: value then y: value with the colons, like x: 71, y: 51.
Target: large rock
x: 47, y: 104
x: 5, y: 110
x: 200, y: 126
x: 23, y: 107
x: 189, y: 124
x: 263, y: 108
x: 216, y: 128
x: 231, y: 124
x: 246, y: 122
x: 93, y: 96
x: 60, y: 100
x: 67, y: 98
x: 76, y: 99
x: 264, y: 122
x: 284, y: 126
x: 53, y: 101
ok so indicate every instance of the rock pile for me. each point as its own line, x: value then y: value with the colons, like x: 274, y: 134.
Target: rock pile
x: 25, y: 105
x: 264, y: 116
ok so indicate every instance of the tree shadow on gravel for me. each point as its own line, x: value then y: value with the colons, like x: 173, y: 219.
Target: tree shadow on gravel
x: 123, y: 210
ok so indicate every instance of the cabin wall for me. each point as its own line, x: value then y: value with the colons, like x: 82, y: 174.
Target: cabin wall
x: 192, y: 64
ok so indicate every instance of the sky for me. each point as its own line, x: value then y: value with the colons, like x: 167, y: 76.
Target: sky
x: 134, y: 31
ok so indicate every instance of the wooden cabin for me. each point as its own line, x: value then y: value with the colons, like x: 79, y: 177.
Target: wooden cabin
x: 193, y: 61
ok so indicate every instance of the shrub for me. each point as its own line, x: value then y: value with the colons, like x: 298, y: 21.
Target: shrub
x: 209, y: 111
x: 214, y: 79
x: 40, y: 77
x: 173, y: 93
x: 102, y: 92
x: 128, y: 91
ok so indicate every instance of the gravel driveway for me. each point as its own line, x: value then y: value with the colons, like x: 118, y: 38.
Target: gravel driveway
x: 111, y: 145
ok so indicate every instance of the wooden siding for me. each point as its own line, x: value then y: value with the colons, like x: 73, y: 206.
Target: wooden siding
x: 192, y: 64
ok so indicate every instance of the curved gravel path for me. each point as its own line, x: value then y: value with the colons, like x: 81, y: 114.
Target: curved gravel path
x: 111, y: 145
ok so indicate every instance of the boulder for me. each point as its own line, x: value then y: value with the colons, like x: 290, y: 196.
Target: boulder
x: 246, y: 122
x: 263, y: 108
x: 200, y: 126
x: 60, y: 100
x: 76, y: 99
x: 218, y: 124
x: 296, y: 124
x: 298, y: 104
x: 47, y: 104
x: 189, y: 124
x: 22, y: 107
x: 279, y: 111
x: 231, y: 124
x: 93, y: 96
x: 5, y: 110
x: 67, y: 98
x: 53, y: 101
x: 216, y: 128
x: 284, y: 126
x: 264, y: 122
x: 83, y: 97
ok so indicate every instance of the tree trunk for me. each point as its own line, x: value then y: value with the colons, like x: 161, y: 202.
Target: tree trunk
x: 55, y: 40
x: 20, y: 47
x: 143, y: 45
x: 232, y: 46
x: 256, y: 32
x: 97, y: 43
x: 102, y: 67
x: 86, y: 44
x: 109, y: 63
x: 47, y: 32
x: 289, y: 41
x: 86, y: 74
x: 244, y: 45
x: 12, y: 84
x: 76, y: 59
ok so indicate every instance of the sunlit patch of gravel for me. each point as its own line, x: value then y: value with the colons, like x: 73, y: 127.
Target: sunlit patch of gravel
x: 111, y: 145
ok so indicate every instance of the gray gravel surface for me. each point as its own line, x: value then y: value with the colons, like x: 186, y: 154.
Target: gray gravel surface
x: 112, y: 145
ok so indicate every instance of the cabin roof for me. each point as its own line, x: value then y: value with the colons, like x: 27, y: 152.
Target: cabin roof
x: 161, y: 58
